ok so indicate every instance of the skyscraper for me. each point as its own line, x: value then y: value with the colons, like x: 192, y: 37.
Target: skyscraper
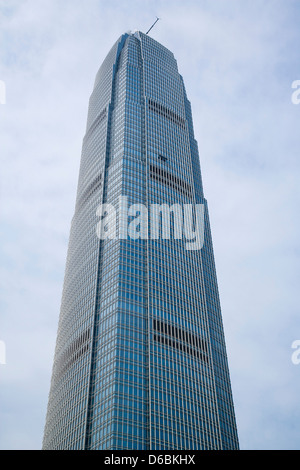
x: 140, y: 359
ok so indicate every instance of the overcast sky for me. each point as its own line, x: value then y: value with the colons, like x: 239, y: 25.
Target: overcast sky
x: 238, y: 59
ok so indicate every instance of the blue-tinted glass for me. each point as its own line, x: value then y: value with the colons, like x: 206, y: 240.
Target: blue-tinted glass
x: 140, y: 360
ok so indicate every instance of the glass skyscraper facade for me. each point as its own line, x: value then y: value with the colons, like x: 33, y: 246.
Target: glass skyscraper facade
x: 140, y: 359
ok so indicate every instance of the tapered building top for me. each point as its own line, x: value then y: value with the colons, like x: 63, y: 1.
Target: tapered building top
x: 140, y: 359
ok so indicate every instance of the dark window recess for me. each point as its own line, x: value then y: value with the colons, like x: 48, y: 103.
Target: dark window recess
x: 175, y: 337
x: 76, y: 349
x: 96, y: 184
x: 167, y: 113
x: 163, y: 158
x: 163, y: 176
x: 97, y: 121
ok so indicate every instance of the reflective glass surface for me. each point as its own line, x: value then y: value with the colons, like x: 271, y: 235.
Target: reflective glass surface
x: 140, y: 359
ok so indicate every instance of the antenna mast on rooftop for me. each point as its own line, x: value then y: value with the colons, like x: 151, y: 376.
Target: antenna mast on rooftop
x: 153, y: 24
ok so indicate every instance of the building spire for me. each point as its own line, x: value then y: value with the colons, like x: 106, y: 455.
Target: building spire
x: 153, y: 24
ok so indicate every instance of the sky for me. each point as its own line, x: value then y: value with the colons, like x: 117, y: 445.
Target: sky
x: 239, y: 60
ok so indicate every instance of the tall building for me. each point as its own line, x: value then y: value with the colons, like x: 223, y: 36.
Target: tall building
x: 140, y: 359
